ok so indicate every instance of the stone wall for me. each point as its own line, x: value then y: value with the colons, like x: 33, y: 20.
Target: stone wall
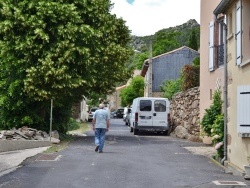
x: 184, y: 113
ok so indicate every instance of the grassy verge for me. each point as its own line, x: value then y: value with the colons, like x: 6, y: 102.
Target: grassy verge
x: 81, y: 130
x: 66, y: 139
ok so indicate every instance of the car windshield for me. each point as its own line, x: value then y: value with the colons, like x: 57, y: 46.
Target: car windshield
x: 93, y: 109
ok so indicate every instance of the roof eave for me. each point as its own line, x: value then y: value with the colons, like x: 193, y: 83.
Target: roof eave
x: 222, y: 7
x: 144, y: 68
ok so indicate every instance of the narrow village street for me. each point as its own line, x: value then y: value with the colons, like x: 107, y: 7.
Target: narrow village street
x: 148, y: 160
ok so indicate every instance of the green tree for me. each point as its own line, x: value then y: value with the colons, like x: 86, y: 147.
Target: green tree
x: 170, y: 87
x: 140, y: 60
x: 57, y: 49
x: 212, y: 122
x: 165, y: 42
x: 193, y: 41
x: 211, y: 113
x: 134, y: 90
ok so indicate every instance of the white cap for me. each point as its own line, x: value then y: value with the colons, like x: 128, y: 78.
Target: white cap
x: 101, y: 105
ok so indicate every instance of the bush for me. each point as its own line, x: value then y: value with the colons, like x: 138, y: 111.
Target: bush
x: 217, y: 133
x: 211, y: 113
x: 213, y: 123
x: 170, y: 87
x: 190, y: 77
x: 73, y: 125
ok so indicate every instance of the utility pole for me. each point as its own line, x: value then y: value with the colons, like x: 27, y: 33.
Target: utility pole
x: 51, y: 117
x: 150, y: 74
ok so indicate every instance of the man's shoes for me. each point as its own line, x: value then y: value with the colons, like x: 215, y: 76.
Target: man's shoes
x: 96, y: 149
x: 100, y: 151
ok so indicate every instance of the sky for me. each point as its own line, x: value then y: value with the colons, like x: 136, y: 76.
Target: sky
x: 145, y: 17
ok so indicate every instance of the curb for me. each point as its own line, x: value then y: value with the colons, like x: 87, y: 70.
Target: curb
x: 13, y: 145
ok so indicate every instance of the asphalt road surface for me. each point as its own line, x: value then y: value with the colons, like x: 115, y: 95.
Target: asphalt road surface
x: 148, y: 160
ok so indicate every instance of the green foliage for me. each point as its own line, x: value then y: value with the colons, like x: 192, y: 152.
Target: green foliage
x: 165, y: 42
x: 73, y: 125
x: 211, y: 113
x: 134, y: 90
x: 190, y: 77
x: 217, y: 132
x: 213, y: 122
x: 170, y: 87
x: 60, y: 50
x: 140, y: 60
x: 94, y: 99
x: 136, y: 60
x: 196, y: 61
x: 193, y: 42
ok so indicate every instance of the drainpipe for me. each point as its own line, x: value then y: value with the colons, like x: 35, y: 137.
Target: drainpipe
x: 224, y: 91
x: 225, y: 97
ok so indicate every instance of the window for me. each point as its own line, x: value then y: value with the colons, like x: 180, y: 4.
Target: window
x: 145, y: 105
x: 211, y: 46
x: 238, y: 33
x: 216, y: 43
x: 219, y: 43
x: 160, y: 106
x: 243, y: 110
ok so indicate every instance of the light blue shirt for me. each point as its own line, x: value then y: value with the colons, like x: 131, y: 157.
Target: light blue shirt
x: 101, y: 116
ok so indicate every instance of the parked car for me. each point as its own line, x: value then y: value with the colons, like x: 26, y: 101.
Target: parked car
x: 91, y: 113
x: 119, y: 112
x: 125, y: 112
x: 113, y: 114
x: 126, y: 116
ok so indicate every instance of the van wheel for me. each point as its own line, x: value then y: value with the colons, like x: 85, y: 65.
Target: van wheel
x: 131, y: 129
x: 165, y: 133
x: 136, y: 131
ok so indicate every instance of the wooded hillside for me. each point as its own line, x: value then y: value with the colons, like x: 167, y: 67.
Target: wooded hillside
x: 165, y: 40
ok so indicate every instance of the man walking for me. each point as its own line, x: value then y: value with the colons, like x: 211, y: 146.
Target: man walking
x: 100, y: 125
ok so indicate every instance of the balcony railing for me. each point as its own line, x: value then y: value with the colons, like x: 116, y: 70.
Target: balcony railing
x: 219, y: 57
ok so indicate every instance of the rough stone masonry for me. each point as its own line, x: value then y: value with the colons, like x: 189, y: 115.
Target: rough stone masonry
x: 184, y: 113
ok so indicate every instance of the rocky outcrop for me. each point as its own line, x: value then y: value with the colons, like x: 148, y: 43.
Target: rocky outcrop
x: 184, y: 114
x: 26, y: 133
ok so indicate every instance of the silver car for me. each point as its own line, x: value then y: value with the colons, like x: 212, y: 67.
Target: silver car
x: 91, y: 113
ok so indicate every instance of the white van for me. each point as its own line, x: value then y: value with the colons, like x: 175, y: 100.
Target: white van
x: 151, y: 114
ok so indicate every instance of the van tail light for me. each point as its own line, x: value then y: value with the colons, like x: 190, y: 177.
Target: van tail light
x: 136, y: 117
x: 168, y: 118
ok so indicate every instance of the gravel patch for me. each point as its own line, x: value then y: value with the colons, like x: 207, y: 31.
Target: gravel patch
x: 206, y: 151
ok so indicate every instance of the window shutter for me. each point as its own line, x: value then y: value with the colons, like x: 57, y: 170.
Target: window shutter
x: 211, y: 46
x: 243, y: 110
x: 238, y: 33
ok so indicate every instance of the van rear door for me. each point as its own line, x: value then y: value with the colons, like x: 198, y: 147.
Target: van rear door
x: 160, y: 112
x: 145, y: 113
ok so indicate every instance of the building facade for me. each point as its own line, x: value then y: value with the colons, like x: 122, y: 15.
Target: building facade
x: 211, y: 65
x: 237, y: 14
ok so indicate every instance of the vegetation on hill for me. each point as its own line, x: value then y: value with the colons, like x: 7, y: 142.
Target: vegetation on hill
x: 165, y: 40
